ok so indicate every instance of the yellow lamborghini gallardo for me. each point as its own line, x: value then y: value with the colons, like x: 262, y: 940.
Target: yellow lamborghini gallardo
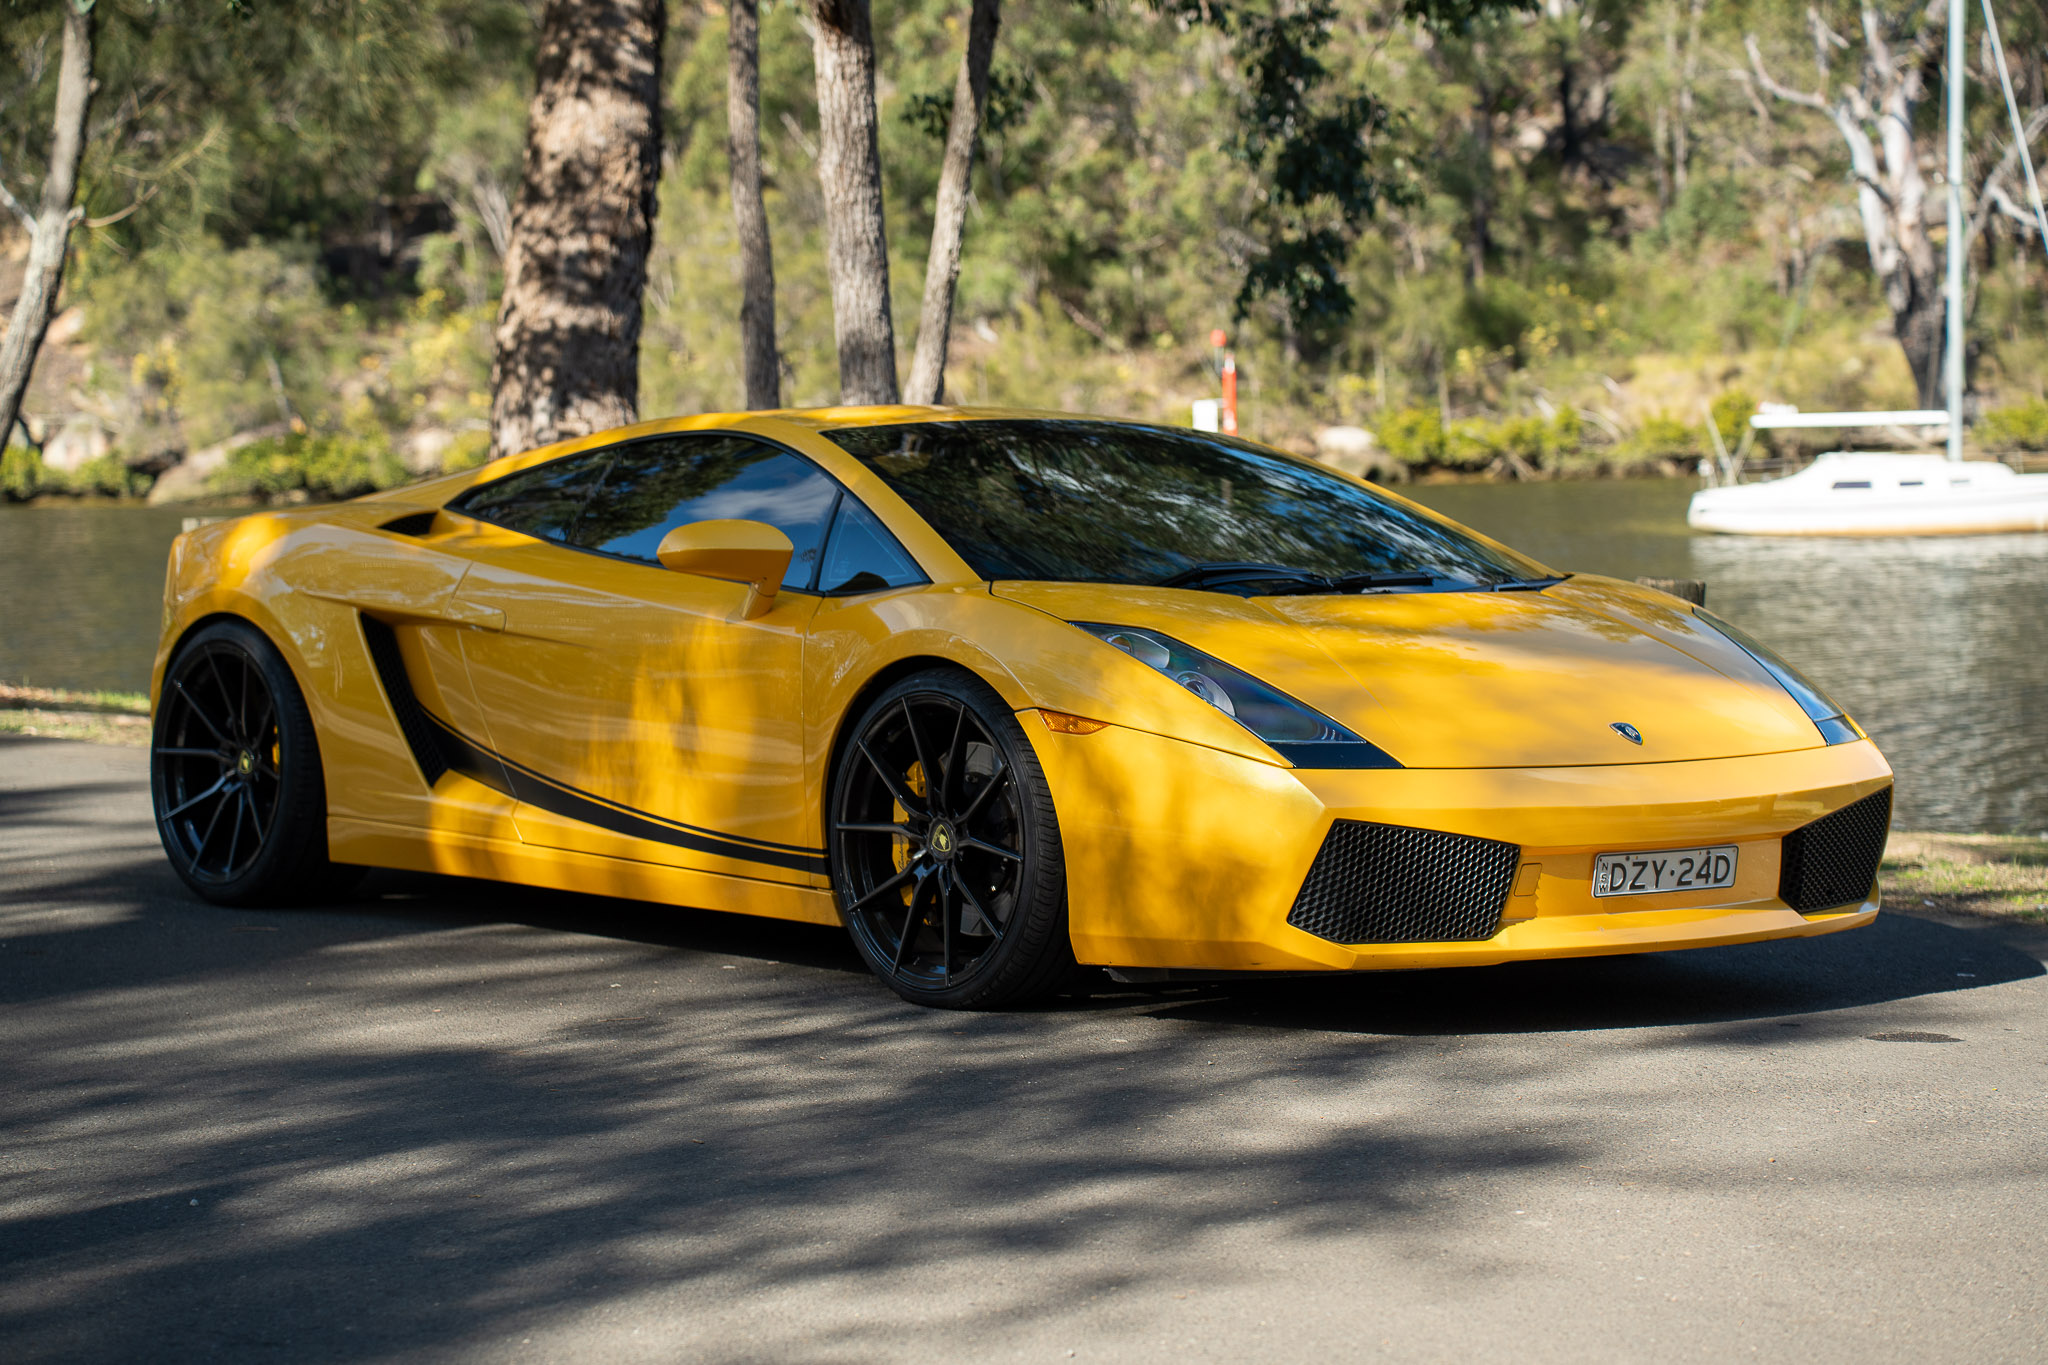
x: 1002, y: 693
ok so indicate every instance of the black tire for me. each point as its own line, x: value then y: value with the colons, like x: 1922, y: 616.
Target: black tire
x: 234, y: 769
x: 955, y: 889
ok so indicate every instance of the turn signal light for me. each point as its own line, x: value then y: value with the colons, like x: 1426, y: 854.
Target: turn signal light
x: 1060, y: 723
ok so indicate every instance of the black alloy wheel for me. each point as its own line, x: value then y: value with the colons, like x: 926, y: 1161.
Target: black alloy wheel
x: 944, y: 848
x: 235, y: 773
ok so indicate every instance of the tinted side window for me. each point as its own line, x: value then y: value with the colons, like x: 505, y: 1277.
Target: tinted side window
x: 862, y: 556
x: 543, y: 501
x: 655, y: 486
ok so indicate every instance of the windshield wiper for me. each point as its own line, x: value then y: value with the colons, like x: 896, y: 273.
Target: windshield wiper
x: 1531, y: 584
x: 1221, y: 574
x: 1366, y: 582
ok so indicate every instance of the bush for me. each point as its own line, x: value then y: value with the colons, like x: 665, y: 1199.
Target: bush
x: 319, y: 465
x: 1731, y: 411
x: 2021, y: 426
x: 1660, y: 437
x: 22, y: 475
x: 107, y: 477
x: 1414, y: 436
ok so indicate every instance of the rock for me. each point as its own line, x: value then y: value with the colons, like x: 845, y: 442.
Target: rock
x: 422, y: 449
x: 186, y: 480
x: 78, y: 442
x: 1353, y: 450
x: 1335, y: 443
x: 65, y: 327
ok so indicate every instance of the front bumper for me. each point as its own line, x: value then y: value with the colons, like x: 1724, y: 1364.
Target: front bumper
x: 1180, y: 856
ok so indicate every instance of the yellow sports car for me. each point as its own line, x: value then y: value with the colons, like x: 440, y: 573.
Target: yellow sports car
x: 1002, y: 693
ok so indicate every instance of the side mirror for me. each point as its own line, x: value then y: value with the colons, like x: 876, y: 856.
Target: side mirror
x: 749, y: 552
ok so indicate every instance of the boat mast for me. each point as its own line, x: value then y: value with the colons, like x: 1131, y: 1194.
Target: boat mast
x: 1952, y: 352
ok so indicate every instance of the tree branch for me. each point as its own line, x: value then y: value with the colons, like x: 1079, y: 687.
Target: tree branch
x: 17, y: 208
x: 1991, y: 192
x: 148, y: 193
x: 1783, y: 92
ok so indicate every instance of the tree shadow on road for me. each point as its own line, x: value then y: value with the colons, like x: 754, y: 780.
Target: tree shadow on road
x: 443, y: 1114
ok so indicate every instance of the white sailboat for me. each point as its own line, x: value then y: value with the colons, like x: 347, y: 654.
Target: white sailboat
x: 1856, y: 493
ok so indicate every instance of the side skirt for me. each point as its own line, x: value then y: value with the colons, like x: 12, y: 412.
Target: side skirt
x: 375, y: 844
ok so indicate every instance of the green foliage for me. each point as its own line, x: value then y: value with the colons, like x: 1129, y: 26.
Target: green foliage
x: 467, y: 451
x: 2018, y: 426
x: 1731, y: 411
x: 1663, y: 437
x: 1517, y: 446
x: 321, y: 467
x: 1386, y: 202
x: 22, y: 475
x: 1414, y: 436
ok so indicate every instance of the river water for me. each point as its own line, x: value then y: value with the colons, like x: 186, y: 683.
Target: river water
x: 1938, y: 646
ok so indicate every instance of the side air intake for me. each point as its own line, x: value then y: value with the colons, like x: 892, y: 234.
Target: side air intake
x: 1391, y: 884
x: 420, y: 736
x: 1833, y: 861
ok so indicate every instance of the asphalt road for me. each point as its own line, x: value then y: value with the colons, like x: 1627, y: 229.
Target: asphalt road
x: 455, y: 1121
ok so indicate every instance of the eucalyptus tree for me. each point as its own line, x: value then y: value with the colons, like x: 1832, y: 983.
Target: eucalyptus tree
x: 942, y: 270
x: 49, y: 224
x: 850, y: 174
x: 760, y: 360
x: 566, y: 353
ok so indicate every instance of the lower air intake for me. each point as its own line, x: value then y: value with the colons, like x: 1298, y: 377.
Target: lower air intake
x: 1833, y: 861
x: 1390, y: 884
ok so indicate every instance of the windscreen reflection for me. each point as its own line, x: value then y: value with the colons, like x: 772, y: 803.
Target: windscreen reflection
x: 1107, y: 502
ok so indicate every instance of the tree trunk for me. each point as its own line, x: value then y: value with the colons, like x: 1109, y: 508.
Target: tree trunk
x: 749, y: 215
x: 1875, y: 118
x: 942, y: 270
x: 1681, y: 122
x: 850, y: 172
x: 50, y: 228
x: 1920, y: 322
x: 567, y: 359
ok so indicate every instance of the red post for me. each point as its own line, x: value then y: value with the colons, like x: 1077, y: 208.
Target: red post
x: 1229, y: 393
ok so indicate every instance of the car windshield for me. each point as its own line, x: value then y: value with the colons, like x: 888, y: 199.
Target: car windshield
x: 1109, y: 502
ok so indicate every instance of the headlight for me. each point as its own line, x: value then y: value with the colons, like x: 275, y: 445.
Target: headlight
x: 1834, y: 725
x: 1300, y: 734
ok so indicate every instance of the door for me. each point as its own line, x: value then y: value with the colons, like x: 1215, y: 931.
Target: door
x: 634, y: 711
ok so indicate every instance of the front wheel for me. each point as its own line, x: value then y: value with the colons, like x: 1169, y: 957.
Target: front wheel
x: 944, y: 847
x: 235, y: 774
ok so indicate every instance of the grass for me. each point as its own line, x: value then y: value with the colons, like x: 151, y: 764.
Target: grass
x: 55, y: 713
x: 2001, y: 875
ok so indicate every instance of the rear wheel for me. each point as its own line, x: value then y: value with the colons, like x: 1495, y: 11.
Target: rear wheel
x: 235, y: 774
x: 944, y: 847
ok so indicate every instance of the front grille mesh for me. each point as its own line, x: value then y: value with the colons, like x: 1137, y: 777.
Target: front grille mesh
x: 1390, y: 884
x: 1833, y: 861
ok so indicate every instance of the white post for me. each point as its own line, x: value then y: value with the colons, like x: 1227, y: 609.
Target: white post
x: 1952, y: 359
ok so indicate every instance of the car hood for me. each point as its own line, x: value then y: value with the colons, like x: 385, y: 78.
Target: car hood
x: 1481, y: 679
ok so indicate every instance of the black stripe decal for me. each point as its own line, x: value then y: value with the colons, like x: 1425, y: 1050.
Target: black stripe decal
x: 439, y: 748
x: 472, y: 760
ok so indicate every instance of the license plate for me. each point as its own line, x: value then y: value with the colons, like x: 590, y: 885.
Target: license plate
x: 1666, y: 869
